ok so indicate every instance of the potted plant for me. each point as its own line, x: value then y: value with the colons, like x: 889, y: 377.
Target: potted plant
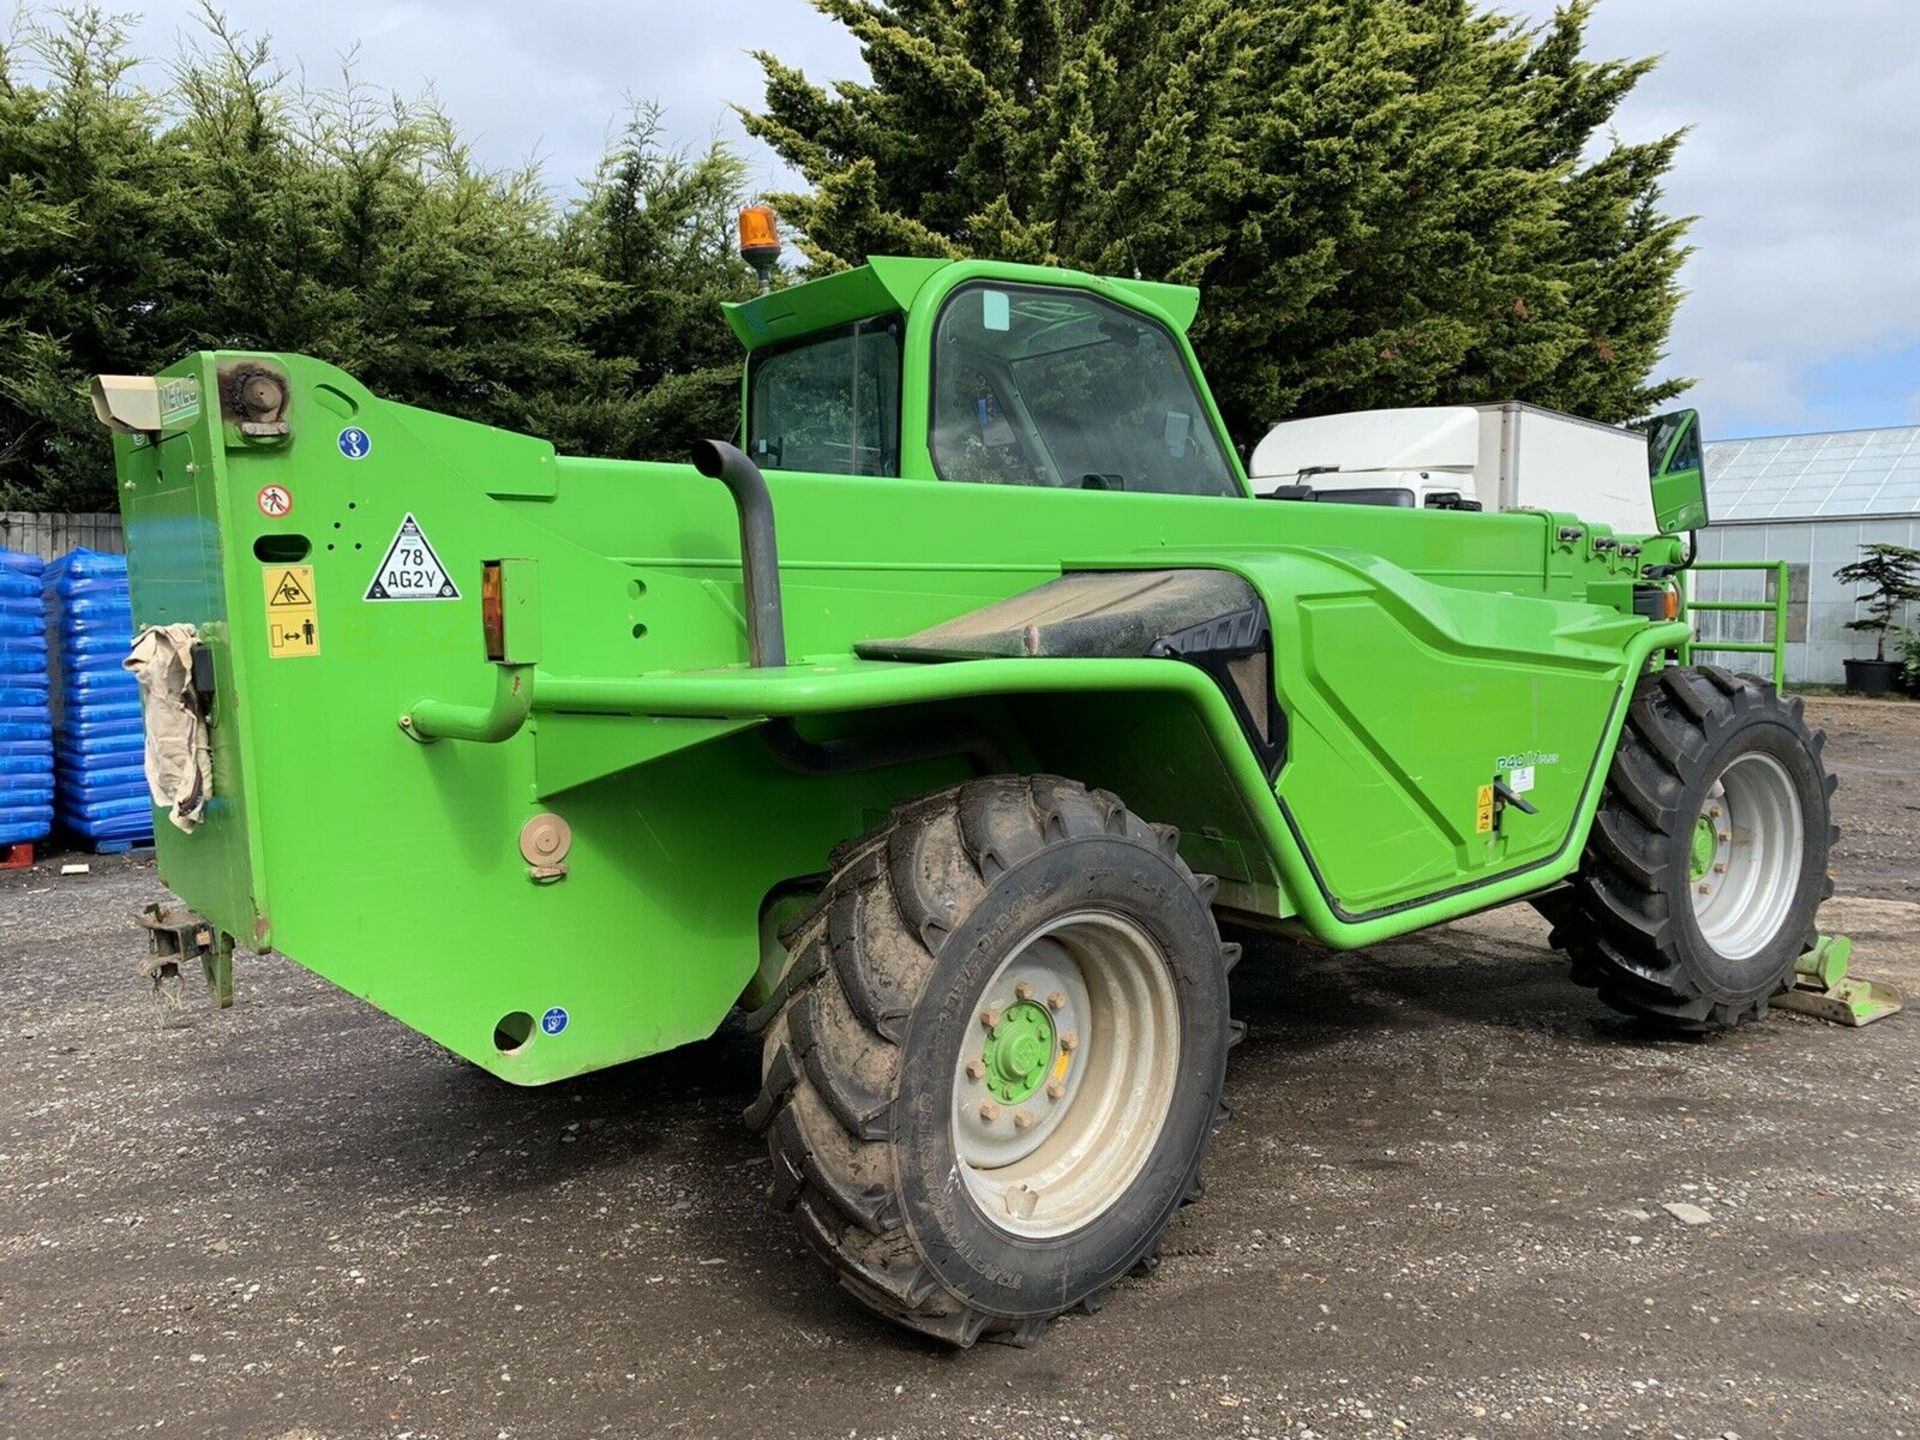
x: 1910, y: 662
x: 1891, y: 574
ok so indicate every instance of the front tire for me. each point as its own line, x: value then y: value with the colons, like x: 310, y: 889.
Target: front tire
x: 1708, y: 857
x: 993, y: 1087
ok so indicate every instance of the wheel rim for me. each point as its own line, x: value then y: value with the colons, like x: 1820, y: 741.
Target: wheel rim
x: 1744, y: 863
x: 1065, y: 1079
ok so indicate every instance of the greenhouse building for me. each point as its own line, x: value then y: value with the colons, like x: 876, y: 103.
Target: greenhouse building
x: 1811, y: 501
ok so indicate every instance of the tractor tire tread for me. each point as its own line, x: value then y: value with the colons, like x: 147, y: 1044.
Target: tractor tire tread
x: 832, y: 1055
x: 1614, y: 921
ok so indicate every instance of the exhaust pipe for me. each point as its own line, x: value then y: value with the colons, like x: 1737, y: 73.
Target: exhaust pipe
x: 759, y: 553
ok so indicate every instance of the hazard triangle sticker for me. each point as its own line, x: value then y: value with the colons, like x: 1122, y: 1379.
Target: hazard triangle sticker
x: 411, y: 570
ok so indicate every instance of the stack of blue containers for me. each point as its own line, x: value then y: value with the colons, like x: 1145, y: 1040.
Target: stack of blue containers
x: 99, y: 738
x: 26, y: 724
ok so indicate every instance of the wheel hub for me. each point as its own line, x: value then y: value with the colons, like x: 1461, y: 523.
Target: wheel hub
x: 1068, y: 1074
x: 1743, y: 863
x: 1706, y: 842
x: 1019, y: 1052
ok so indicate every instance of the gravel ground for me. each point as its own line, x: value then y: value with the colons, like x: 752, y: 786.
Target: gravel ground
x: 1439, y: 1211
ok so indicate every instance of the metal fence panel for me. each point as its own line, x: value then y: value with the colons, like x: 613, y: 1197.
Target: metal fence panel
x: 51, y: 535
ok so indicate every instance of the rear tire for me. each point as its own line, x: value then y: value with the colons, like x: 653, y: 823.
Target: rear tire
x: 1708, y: 856
x: 973, y: 1180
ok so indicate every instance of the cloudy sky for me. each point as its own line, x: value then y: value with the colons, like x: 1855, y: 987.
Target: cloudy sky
x: 1803, y: 162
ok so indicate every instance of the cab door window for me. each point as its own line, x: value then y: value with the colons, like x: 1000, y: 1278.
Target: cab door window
x: 1038, y: 386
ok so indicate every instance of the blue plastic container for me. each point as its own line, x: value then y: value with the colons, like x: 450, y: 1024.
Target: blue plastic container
x: 26, y: 720
x: 101, y: 791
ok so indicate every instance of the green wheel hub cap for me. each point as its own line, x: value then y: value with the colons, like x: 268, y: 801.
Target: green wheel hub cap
x: 1706, y: 841
x: 1018, y: 1052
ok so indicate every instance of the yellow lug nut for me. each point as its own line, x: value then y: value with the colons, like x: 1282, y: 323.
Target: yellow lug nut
x: 1070, y: 1040
x: 1022, y: 990
x: 976, y: 1069
x: 990, y: 1018
x: 1056, y: 1001
x: 989, y: 1111
x: 1022, y: 1120
x: 1056, y: 1089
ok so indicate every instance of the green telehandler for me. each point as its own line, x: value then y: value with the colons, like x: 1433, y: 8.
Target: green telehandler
x: 932, y: 733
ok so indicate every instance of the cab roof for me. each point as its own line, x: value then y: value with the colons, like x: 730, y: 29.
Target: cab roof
x: 887, y: 285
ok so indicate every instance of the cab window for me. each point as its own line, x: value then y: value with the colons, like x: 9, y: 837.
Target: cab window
x: 1037, y: 386
x: 829, y: 403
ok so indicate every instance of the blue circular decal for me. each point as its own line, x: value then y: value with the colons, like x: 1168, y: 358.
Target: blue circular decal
x: 554, y: 1021
x: 356, y: 444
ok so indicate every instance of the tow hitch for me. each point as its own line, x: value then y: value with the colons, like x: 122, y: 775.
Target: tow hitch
x: 176, y: 935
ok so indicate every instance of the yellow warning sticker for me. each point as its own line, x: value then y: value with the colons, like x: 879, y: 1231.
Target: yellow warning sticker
x: 1483, y: 812
x: 1060, y: 1065
x: 293, y: 619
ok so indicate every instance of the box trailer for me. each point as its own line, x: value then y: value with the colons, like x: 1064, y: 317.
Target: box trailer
x: 1508, y: 456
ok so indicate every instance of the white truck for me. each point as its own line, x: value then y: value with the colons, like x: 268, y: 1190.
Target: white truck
x: 1511, y: 456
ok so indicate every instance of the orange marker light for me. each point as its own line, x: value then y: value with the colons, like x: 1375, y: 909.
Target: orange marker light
x: 1673, y: 604
x: 759, y: 232
x: 493, y: 610
x: 760, y: 241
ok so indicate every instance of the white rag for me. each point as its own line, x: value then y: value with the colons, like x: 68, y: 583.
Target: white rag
x: 179, y: 767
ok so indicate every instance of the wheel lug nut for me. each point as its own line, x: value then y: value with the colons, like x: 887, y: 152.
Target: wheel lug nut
x: 975, y: 1070
x: 1719, y: 869
x: 990, y: 1018
x: 1022, y: 1120
x: 1022, y: 990
x: 1070, y: 1040
x: 1726, y: 835
x: 1056, y: 1001
x: 1056, y: 1089
x: 989, y: 1111
x: 1706, y: 889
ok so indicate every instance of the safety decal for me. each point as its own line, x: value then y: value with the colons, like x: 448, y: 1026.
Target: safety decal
x: 1483, y: 812
x: 355, y: 443
x: 293, y: 616
x: 411, y: 571
x: 554, y: 1021
x: 275, y: 501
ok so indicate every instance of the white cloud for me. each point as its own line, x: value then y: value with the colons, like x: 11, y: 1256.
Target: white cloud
x: 547, y: 79
x: 1803, y: 163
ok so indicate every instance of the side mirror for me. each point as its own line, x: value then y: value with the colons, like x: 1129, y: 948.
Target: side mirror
x: 1677, y: 472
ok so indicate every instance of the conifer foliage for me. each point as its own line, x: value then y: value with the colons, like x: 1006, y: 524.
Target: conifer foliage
x: 217, y: 204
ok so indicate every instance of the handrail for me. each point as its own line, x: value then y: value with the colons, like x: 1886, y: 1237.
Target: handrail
x: 1777, y: 607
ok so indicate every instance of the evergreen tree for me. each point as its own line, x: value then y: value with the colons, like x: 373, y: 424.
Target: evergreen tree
x: 657, y: 228
x: 1387, y: 202
x: 231, y: 209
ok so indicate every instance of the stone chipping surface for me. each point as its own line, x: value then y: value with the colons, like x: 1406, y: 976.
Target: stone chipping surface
x: 1458, y: 1198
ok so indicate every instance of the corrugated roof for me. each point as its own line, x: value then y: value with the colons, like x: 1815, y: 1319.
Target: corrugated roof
x: 1802, y: 477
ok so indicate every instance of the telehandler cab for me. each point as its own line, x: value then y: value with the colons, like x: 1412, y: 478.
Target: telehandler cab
x: 931, y: 733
